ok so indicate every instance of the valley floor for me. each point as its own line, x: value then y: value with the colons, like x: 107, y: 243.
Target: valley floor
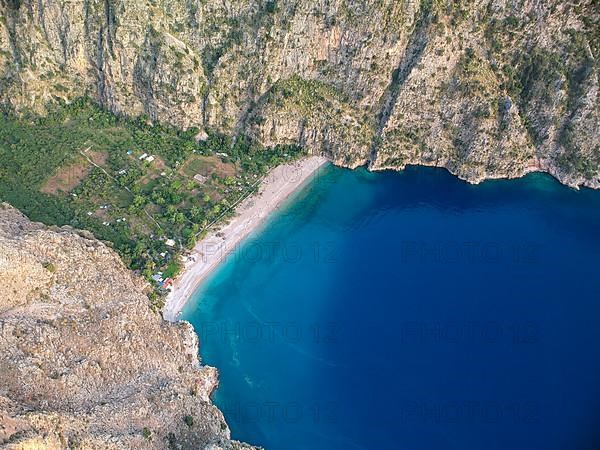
x: 277, y: 186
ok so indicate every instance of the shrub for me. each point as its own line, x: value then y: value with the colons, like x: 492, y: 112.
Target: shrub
x: 49, y: 267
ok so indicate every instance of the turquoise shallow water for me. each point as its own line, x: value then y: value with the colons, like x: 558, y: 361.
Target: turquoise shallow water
x: 411, y: 311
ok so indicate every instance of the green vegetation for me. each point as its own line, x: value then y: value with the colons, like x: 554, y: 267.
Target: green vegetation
x: 189, y: 421
x: 50, y: 267
x: 305, y: 94
x: 320, y: 105
x: 472, y: 74
x: 146, y: 433
x: 172, y: 441
x: 536, y: 82
x: 548, y: 83
x: 571, y: 161
x: 232, y: 31
x: 82, y: 166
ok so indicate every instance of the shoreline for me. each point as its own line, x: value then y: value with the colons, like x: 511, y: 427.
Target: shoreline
x: 276, y: 187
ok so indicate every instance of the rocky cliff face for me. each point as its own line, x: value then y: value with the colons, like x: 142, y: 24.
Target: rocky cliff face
x: 84, y: 363
x: 485, y: 88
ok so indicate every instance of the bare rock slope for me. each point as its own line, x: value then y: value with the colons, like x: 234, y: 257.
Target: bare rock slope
x: 485, y: 88
x: 84, y: 363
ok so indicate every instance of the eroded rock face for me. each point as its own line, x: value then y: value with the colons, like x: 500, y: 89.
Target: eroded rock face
x: 84, y: 363
x: 485, y: 88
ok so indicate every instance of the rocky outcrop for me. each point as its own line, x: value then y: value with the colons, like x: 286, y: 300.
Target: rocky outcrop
x: 84, y: 363
x: 485, y: 88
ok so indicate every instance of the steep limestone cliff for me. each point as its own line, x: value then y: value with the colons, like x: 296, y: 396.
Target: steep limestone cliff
x: 83, y: 361
x: 485, y: 88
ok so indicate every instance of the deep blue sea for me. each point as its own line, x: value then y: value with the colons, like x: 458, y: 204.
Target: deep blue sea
x: 411, y: 311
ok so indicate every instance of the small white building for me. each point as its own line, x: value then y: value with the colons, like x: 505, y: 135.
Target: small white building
x: 157, y: 277
x: 144, y: 156
x: 170, y: 243
x: 150, y: 158
x: 202, y: 136
x: 200, y: 178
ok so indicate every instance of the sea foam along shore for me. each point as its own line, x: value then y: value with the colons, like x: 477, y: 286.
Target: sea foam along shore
x: 210, y: 251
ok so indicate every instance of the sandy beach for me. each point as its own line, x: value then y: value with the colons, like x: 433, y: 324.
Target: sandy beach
x: 210, y: 251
